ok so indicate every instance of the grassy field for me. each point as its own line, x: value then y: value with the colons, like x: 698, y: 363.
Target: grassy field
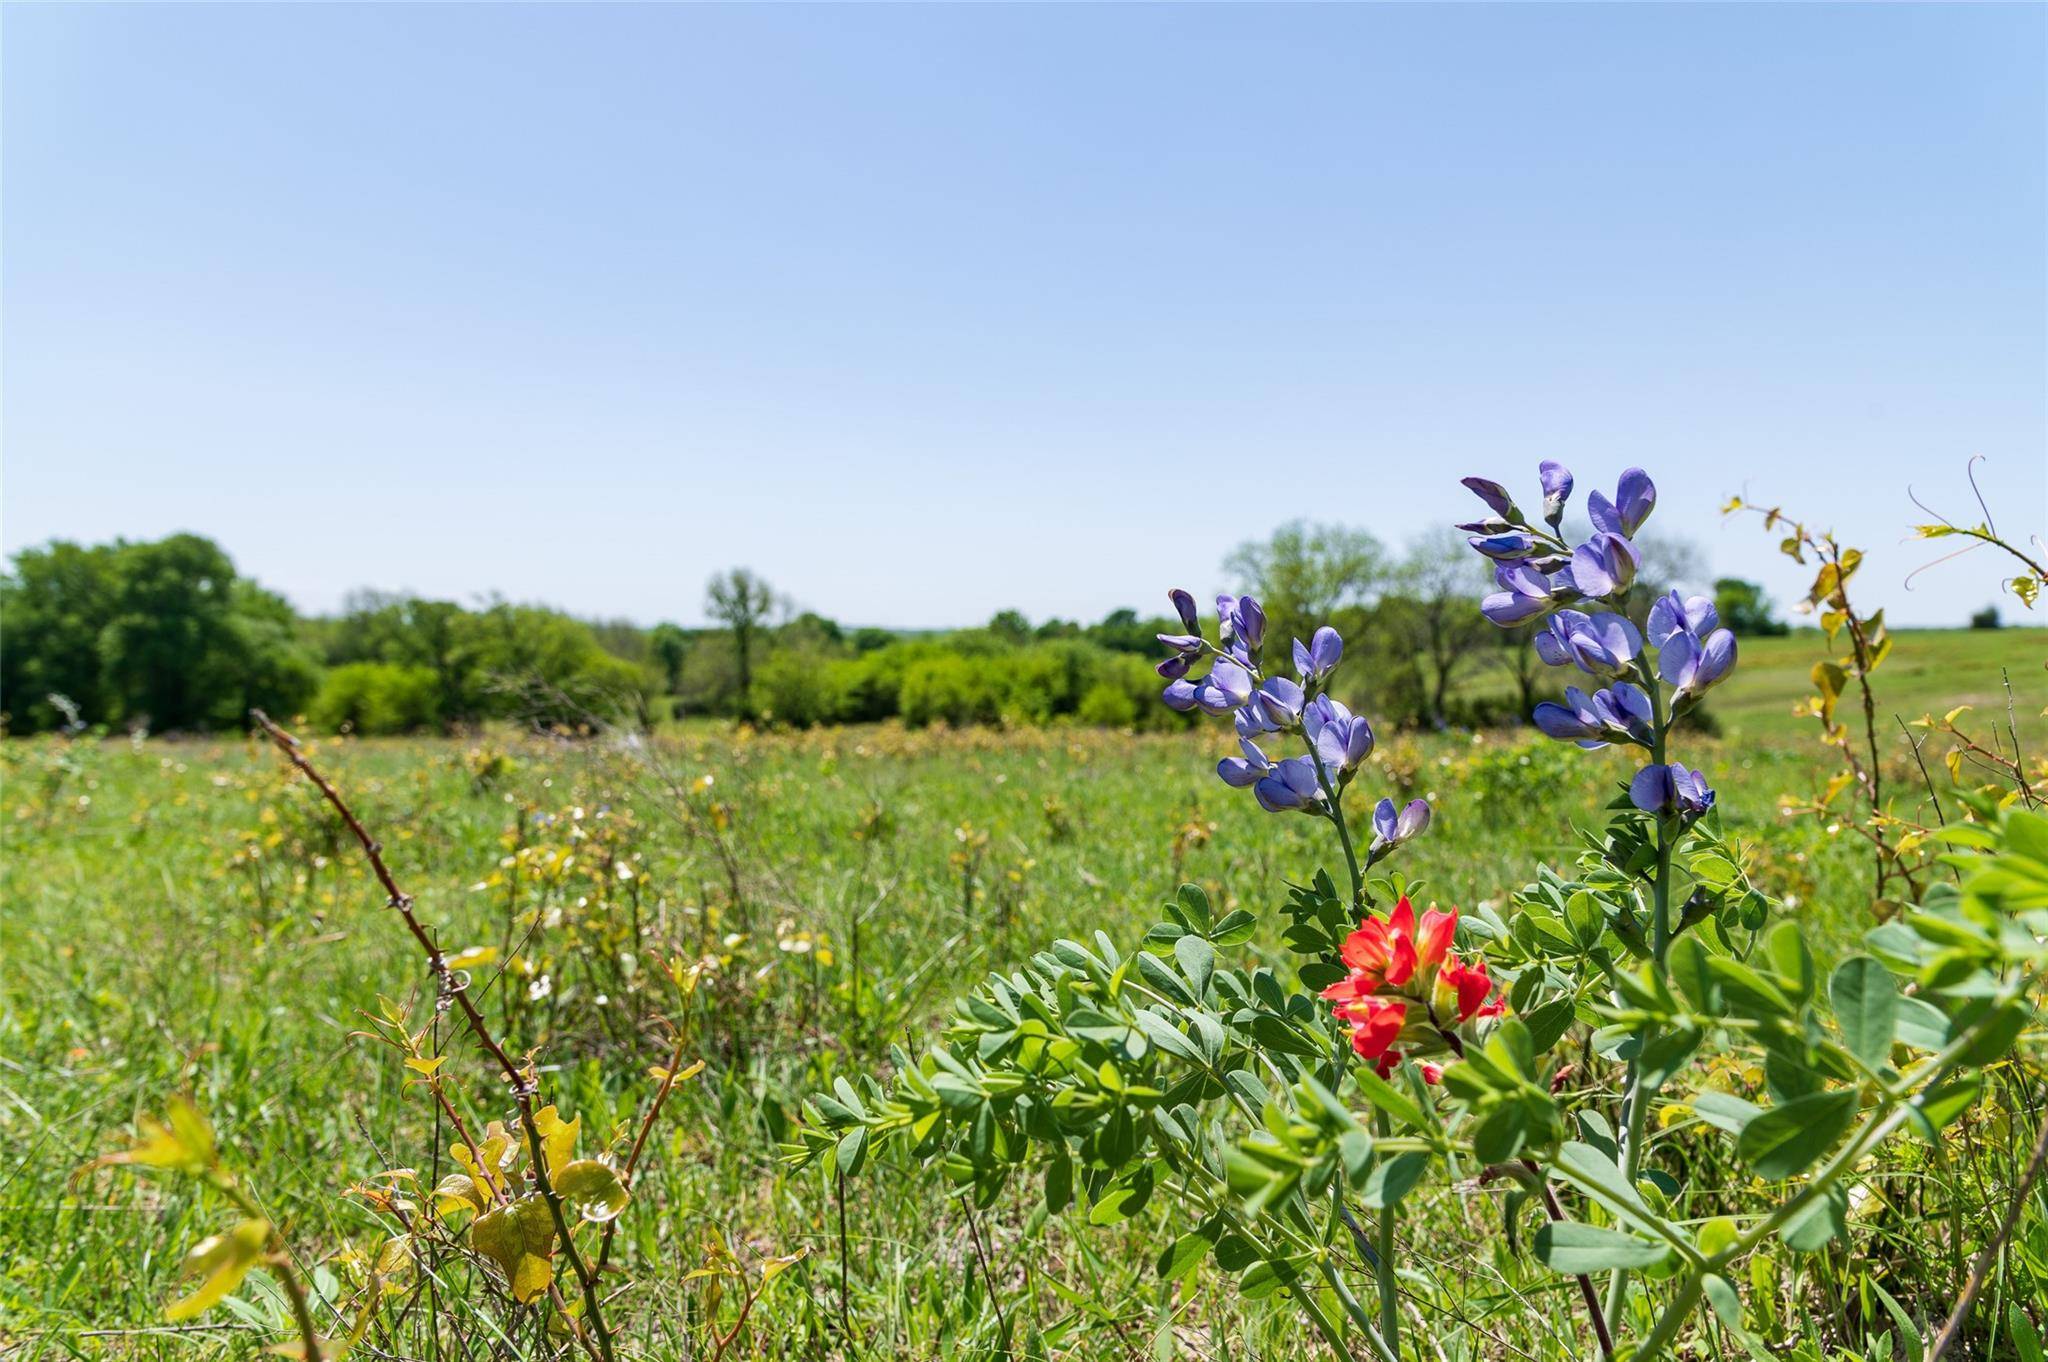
x: 186, y: 917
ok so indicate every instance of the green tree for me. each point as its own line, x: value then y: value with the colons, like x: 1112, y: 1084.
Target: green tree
x: 1306, y: 574
x: 671, y: 647
x: 1745, y: 608
x: 1435, y: 609
x: 741, y: 601
x: 54, y: 604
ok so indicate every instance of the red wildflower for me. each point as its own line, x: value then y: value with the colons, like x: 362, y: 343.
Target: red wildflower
x: 1387, y: 954
x: 1375, y: 1025
x: 1461, y: 991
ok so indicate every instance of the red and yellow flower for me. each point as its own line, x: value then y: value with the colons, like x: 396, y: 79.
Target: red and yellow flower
x: 1405, y: 981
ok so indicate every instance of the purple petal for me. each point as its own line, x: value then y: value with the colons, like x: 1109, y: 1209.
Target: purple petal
x: 1173, y: 667
x: 1180, y: 695
x: 1304, y: 666
x: 1717, y: 659
x: 1556, y: 480
x: 1414, y: 819
x: 1634, y: 499
x: 1589, y: 569
x: 1599, y: 510
x: 1650, y: 791
x: 1239, y: 773
x: 1558, y: 722
x: 1493, y: 494
x: 1506, y: 608
x: 1384, y: 820
x: 1326, y: 650
x: 1184, y: 606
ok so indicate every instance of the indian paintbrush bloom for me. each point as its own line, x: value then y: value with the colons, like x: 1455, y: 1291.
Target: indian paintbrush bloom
x: 1401, y: 960
x: 1667, y: 789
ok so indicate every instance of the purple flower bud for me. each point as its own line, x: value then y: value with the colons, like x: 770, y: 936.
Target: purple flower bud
x: 1184, y: 606
x: 1390, y: 829
x: 1173, y: 668
x: 1180, y: 695
x: 1318, y: 657
x: 1493, y: 524
x: 1495, y: 496
x: 1504, y: 548
x: 1251, y: 622
x: 1187, y: 645
x: 1557, y: 489
x: 1292, y: 784
x: 1605, y: 565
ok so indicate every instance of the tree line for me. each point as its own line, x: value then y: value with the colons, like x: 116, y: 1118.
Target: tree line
x: 166, y: 635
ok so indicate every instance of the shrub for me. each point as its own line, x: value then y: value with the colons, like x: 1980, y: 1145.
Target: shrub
x: 376, y: 698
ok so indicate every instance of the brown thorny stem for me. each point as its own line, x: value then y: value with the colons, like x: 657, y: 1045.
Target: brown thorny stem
x: 520, y: 1080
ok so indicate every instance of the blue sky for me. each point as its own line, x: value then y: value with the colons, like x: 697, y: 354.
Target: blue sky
x: 924, y: 312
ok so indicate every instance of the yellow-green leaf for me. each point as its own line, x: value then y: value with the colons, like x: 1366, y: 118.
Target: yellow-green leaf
x: 221, y: 1261
x: 520, y: 1238
x: 593, y: 1188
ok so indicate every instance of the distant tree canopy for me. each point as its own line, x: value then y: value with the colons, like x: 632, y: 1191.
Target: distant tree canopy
x: 1745, y: 608
x: 161, y: 634
x: 167, y: 635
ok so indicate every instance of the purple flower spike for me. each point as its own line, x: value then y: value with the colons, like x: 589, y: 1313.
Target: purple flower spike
x: 1633, y: 501
x: 1180, y: 695
x: 1280, y: 700
x: 1557, y: 489
x: 1671, y: 789
x: 1184, y: 606
x: 1605, y: 565
x: 1291, y: 785
x: 1495, y: 496
x: 1245, y: 771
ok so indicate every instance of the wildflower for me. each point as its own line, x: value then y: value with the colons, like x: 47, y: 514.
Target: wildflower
x: 1620, y: 712
x: 1227, y: 687
x: 1179, y: 695
x: 1184, y: 606
x: 1173, y: 668
x: 1604, y: 645
x: 1634, y: 498
x: 1243, y: 621
x: 1671, y: 789
x: 1316, y: 659
x: 1340, y: 738
x: 1390, y: 828
x: 1388, y: 953
x: 1461, y: 992
x: 1280, y: 702
x: 1557, y: 489
x: 1604, y: 565
x: 1524, y: 594
x: 1376, y: 1024
x: 1247, y: 770
x: 1692, y: 654
x: 1291, y: 784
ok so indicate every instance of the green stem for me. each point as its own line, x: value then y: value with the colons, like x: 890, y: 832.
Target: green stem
x: 1336, y: 815
x: 1636, y: 1096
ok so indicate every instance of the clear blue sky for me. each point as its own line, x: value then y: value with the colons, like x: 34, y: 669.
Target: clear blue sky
x: 923, y: 312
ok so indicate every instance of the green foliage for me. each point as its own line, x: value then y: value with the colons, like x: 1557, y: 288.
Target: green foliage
x: 1744, y: 607
x: 376, y: 697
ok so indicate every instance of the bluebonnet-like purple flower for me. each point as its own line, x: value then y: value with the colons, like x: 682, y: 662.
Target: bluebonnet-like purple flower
x: 1557, y: 489
x: 1603, y: 645
x: 1507, y: 547
x: 1524, y: 594
x: 1621, y: 712
x: 1340, y: 738
x: 1495, y: 496
x: 1692, y: 653
x: 1179, y: 693
x: 1243, y: 621
x: 1604, y: 565
x: 1184, y: 606
x: 1280, y: 702
x: 1292, y: 784
x: 1671, y: 789
x: 1391, y: 828
x: 1247, y: 770
x: 1228, y: 686
x: 1316, y: 659
x: 1252, y: 722
x: 1634, y: 498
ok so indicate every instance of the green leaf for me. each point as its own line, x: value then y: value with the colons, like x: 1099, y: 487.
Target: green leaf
x: 1197, y: 961
x: 1866, y: 1007
x: 599, y: 1195
x: 1389, y: 1099
x: 1165, y: 1034
x: 1236, y: 928
x: 1184, y: 1255
x: 1687, y: 963
x: 1817, y: 1224
x: 1548, y: 1023
x: 1392, y: 1179
x: 1786, y: 1138
x: 1727, y: 1307
x: 1573, y: 1249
